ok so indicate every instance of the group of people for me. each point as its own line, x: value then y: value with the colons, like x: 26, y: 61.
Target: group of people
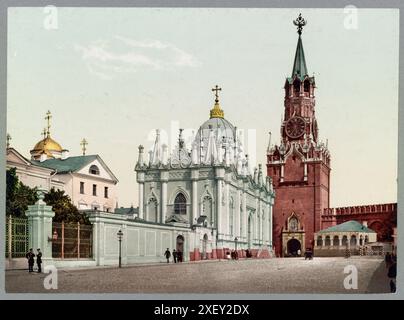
x: 233, y: 255
x: 177, y: 256
x: 391, y: 265
x: 31, y: 260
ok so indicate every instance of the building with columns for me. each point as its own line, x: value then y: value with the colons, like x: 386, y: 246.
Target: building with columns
x: 350, y: 235
x: 209, y: 190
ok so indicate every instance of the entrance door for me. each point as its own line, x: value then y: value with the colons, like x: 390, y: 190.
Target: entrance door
x: 293, y: 247
x: 180, y: 248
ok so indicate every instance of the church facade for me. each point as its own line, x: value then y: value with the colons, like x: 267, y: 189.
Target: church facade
x: 209, y: 190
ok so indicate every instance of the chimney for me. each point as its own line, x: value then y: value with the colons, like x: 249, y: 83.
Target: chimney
x: 65, y: 154
x: 365, y: 224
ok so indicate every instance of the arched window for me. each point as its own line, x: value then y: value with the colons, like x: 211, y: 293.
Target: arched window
x: 306, y: 86
x: 180, y: 204
x: 344, y: 240
x: 94, y: 170
x: 335, y: 241
x: 353, y: 241
x: 319, y: 241
x: 296, y: 86
x: 327, y: 241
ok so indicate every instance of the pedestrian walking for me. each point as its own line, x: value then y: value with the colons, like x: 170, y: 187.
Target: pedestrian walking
x: 175, y: 256
x: 392, y: 274
x: 30, y: 257
x: 179, y: 256
x: 39, y: 260
x: 167, y: 255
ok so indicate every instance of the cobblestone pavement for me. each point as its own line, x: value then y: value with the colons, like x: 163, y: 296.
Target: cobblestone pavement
x: 281, y: 275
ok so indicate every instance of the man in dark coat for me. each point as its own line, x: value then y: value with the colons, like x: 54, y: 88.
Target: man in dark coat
x: 167, y: 255
x: 392, y: 274
x: 175, y: 256
x: 39, y: 260
x: 30, y: 256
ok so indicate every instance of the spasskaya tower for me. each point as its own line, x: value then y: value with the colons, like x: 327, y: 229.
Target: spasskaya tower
x: 300, y: 165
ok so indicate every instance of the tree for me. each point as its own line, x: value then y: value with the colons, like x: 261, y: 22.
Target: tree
x: 63, y: 207
x: 18, y: 195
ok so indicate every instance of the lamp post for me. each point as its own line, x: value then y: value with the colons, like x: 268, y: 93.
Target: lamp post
x: 236, y: 239
x: 120, y: 235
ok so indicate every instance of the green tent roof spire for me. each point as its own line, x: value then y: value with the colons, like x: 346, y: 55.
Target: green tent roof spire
x: 299, y: 65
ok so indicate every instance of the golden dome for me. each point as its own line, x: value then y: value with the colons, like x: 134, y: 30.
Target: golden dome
x: 47, y: 144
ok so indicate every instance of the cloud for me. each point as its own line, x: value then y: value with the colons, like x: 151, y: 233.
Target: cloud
x: 105, y: 59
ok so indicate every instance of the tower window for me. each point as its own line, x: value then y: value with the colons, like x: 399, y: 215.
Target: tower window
x: 94, y: 170
x: 307, y: 86
x: 94, y: 190
x: 81, y: 187
x: 296, y: 86
x: 180, y: 204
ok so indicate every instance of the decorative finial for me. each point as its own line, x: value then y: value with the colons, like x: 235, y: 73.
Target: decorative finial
x: 216, y: 112
x: 216, y: 89
x: 269, y: 142
x: 83, y: 144
x: 44, y: 133
x: 47, y: 118
x: 300, y: 23
x: 8, y: 140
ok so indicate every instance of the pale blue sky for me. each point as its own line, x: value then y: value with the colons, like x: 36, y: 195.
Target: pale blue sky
x: 114, y: 75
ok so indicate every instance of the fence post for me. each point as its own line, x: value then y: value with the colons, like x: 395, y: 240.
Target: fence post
x: 40, y: 226
x: 10, y: 237
x: 78, y: 240
x: 63, y: 239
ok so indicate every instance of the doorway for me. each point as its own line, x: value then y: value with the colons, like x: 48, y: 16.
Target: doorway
x: 294, y: 246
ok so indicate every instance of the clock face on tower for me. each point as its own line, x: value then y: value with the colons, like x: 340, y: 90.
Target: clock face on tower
x: 295, y: 127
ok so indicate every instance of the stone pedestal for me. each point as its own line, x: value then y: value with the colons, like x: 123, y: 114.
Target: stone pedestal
x: 40, y: 227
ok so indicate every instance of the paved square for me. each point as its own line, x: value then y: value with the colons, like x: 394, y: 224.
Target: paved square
x: 282, y: 275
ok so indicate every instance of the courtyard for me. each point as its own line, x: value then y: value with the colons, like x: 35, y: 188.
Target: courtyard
x: 280, y: 275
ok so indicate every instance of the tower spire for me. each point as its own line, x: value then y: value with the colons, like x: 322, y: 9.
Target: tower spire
x: 299, y: 65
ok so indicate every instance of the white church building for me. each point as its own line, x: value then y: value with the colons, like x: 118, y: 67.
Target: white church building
x: 208, y: 191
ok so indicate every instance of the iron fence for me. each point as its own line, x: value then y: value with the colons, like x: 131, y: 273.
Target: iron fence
x: 17, y: 240
x: 72, y: 241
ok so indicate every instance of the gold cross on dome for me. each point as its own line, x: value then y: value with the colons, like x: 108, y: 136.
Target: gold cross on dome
x: 47, y: 118
x: 83, y: 144
x: 216, y: 89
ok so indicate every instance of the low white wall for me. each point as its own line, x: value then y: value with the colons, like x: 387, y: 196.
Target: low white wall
x: 141, y: 242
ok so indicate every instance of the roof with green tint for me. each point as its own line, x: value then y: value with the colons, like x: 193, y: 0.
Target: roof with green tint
x: 71, y: 164
x: 349, y: 226
x: 123, y: 210
x: 299, y: 65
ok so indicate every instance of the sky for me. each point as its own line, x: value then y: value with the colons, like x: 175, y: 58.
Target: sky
x: 114, y: 75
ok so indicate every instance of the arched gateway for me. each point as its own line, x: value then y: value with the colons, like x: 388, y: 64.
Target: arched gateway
x: 294, y: 246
